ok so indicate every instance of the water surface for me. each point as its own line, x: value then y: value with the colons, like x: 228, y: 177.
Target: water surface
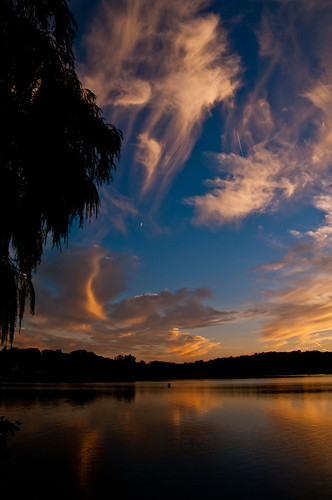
x: 267, y: 438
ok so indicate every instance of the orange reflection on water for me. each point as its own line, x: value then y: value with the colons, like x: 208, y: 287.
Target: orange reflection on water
x: 184, y: 402
x: 304, y: 428
x: 88, y: 454
x: 308, y: 410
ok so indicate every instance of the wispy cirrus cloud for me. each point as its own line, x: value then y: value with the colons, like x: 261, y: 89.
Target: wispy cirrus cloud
x: 160, y: 67
x: 251, y: 185
x: 298, y: 310
x: 116, y: 210
x: 282, y: 132
x: 78, y: 306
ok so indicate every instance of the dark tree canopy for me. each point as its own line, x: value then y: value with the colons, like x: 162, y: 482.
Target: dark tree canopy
x: 56, y: 150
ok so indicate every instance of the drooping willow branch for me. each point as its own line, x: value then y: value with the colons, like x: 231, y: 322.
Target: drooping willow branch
x: 56, y: 149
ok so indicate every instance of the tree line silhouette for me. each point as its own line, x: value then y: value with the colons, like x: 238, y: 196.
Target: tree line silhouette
x: 81, y: 366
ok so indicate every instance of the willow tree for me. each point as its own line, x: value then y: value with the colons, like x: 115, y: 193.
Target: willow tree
x: 56, y: 149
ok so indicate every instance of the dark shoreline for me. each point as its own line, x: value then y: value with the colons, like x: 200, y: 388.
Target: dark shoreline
x: 32, y: 365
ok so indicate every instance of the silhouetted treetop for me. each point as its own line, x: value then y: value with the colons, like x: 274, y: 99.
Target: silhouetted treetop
x: 82, y: 366
x: 56, y: 150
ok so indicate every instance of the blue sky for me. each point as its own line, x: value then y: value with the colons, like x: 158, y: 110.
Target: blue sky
x: 214, y: 238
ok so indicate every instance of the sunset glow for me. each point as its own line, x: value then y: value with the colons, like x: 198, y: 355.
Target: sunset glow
x: 215, y: 236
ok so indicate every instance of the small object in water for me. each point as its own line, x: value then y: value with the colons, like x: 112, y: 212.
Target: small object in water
x: 169, y: 385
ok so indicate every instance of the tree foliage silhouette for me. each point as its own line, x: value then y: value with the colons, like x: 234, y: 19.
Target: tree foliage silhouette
x: 56, y: 150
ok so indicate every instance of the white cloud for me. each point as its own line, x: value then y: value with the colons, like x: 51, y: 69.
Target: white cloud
x: 162, y: 66
x: 283, y: 131
x: 149, y: 152
x: 251, y: 186
x: 323, y: 235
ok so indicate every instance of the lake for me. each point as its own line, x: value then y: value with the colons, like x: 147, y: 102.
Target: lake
x: 267, y: 438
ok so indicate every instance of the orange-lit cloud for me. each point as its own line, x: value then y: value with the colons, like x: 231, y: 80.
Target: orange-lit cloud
x: 299, y: 307
x: 78, y: 307
x: 72, y: 288
x: 188, y: 346
x: 92, y: 304
x: 162, y: 66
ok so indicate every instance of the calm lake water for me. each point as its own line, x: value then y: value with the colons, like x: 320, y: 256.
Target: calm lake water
x: 267, y: 438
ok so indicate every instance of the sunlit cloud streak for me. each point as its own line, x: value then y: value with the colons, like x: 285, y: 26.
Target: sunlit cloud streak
x: 281, y: 136
x: 79, y: 307
x: 159, y: 67
x: 250, y: 187
x: 299, y: 307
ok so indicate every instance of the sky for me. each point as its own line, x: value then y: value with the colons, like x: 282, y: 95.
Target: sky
x: 215, y: 236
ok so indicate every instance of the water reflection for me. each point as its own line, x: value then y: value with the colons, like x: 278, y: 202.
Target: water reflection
x: 88, y: 455
x: 195, y: 440
x: 34, y: 394
x: 304, y: 426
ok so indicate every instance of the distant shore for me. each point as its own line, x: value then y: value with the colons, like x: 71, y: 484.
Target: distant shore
x: 33, y: 365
